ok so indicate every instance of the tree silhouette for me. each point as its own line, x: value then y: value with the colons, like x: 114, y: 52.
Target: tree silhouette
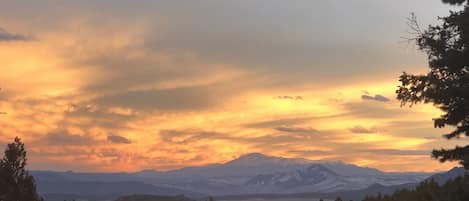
x: 338, y: 199
x: 16, y: 184
x: 453, y: 190
x: 446, y: 85
x: 455, y: 2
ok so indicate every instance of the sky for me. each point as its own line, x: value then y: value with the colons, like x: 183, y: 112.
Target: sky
x: 131, y: 85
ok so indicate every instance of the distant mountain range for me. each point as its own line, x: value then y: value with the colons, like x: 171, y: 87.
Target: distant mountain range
x: 372, y: 190
x: 249, y: 174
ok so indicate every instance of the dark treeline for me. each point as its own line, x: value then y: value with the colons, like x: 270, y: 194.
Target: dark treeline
x: 453, y: 190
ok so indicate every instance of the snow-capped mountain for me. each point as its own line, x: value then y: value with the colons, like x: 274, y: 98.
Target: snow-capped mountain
x: 245, y: 166
x: 257, y: 173
x: 315, y: 176
x: 258, y: 159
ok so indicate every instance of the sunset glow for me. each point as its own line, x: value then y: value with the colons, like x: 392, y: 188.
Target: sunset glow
x: 156, y: 85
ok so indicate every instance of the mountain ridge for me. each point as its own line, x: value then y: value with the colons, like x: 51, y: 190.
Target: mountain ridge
x: 249, y: 156
x: 248, y: 174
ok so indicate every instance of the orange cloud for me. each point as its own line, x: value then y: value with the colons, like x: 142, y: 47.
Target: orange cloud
x: 149, y: 91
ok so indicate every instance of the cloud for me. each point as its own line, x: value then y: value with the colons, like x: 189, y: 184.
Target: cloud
x: 189, y: 135
x: 290, y: 129
x: 76, y: 114
x: 398, y: 152
x: 65, y: 138
x: 7, y: 36
x: 240, y: 43
x: 277, y: 122
x: 134, y: 64
x: 416, y: 128
x: 361, y: 129
x: 290, y: 97
x: 374, y: 110
x: 377, y: 97
x: 286, y: 121
x: 118, y: 139
x: 175, y: 99
x: 309, y: 152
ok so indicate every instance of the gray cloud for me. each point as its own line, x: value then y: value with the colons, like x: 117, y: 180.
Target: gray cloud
x: 118, y: 139
x: 374, y: 110
x: 185, y: 136
x: 411, y: 123
x: 277, y: 122
x: 100, y: 116
x: 287, y: 121
x: 292, y: 129
x: 110, y: 153
x: 416, y: 128
x: 302, y: 153
x: 377, y: 97
x: 361, y: 129
x: 290, y: 97
x: 65, y: 138
x: 62, y: 152
x: 298, y: 48
x: 398, y: 152
x: 196, y: 42
x: 7, y: 36
x: 297, y: 140
x: 177, y: 99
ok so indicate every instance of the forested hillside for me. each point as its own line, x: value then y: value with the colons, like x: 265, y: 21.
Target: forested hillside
x: 453, y: 190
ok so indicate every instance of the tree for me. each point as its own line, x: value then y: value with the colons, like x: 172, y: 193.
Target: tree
x: 454, y: 2
x: 453, y: 190
x: 338, y: 199
x: 446, y: 85
x: 16, y: 184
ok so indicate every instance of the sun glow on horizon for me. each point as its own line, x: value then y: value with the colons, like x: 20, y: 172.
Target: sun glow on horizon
x: 166, y: 86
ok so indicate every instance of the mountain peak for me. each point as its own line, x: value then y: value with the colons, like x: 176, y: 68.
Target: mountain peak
x: 259, y: 159
x: 147, y: 173
x: 254, y: 156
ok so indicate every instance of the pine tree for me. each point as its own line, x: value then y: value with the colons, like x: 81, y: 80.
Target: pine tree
x: 446, y: 85
x: 16, y: 184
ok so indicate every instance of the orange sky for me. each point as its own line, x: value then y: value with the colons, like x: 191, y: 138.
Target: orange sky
x: 124, y: 87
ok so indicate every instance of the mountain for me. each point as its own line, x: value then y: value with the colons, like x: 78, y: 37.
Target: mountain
x: 323, y: 178
x: 257, y: 173
x: 245, y: 166
x: 442, y: 178
x: 249, y: 174
x: 376, y: 189
x: 316, y: 177
x: 59, y: 186
x: 106, y: 188
x: 372, y: 190
x: 258, y: 159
